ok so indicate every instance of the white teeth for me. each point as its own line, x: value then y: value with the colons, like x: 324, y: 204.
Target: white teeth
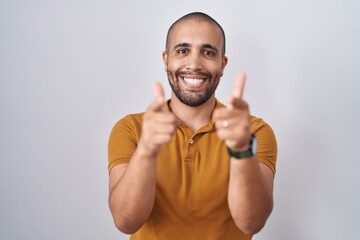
x: 193, y: 81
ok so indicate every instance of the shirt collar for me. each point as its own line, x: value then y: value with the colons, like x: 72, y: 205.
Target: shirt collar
x: 211, y: 125
x: 218, y: 105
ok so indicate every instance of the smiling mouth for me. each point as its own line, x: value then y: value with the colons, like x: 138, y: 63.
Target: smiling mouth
x: 193, y: 81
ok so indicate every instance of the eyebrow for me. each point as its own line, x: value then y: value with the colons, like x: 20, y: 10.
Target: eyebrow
x: 181, y: 45
x: 210, y: 46
x: 206, y: 45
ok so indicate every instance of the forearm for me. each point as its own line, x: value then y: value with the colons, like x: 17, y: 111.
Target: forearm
x: 132, y: 197
x: 250, y: 195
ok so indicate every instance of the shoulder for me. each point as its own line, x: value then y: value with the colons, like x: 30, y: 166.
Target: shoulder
x: 258, y: 124
x: 128, y: 126
x: 262, y: 130
x: 130, y: 120
x: 266, y: 140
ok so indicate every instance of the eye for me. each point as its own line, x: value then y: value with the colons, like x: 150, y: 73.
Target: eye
x: 182, y: 51
x: 209, y: 53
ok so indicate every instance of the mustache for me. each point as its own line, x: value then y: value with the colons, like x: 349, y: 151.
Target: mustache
x: 203, y: 74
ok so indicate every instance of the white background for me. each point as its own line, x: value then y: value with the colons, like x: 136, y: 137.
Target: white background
x: 70, y: 69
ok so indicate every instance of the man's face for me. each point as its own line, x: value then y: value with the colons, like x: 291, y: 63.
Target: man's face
x: 194, y: 61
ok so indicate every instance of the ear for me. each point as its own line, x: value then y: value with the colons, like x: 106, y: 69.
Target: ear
x: 165, y: 59
x: 223, y: 64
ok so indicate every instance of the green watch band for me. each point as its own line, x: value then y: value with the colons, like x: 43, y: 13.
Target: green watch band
x: 244, y: 154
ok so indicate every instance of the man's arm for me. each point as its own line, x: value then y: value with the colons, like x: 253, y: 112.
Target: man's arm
x: 250, y: 193
x: 132, y: 185
x: 132, y: 192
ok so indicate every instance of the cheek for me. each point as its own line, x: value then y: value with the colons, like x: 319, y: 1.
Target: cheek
x: 216, y: 69
x: 174, y: 65
x: 171, y: 73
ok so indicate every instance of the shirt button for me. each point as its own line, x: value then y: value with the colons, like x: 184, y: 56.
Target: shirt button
x: 191, y: 141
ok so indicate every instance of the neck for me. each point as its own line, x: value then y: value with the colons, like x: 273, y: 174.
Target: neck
x: 193, y: 117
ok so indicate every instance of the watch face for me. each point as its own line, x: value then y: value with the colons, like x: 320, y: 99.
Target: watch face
x: 254, y: 145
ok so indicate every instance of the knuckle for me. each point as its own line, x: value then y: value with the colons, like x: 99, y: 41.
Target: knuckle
x: 167, y: 138
x: 220, y: 134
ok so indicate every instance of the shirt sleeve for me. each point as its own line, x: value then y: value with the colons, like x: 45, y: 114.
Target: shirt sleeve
x: 266, y: 143
x: 123, y: 141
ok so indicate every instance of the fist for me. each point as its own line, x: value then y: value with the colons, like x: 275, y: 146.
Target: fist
x: 159, y: 124
x: 233, y: 122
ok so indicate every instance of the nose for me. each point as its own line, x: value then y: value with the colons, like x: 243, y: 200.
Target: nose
x: 194, y: 62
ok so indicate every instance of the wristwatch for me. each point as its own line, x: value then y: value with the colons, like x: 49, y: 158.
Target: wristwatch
x: 251, y: 151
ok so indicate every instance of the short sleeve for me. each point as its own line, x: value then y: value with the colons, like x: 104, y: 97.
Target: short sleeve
x: 266, y: 143
x: 123, y: 140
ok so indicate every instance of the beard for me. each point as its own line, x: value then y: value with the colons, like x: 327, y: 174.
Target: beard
x: 193, y: 98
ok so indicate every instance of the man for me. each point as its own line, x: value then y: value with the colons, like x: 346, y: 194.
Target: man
x: 186, y: 168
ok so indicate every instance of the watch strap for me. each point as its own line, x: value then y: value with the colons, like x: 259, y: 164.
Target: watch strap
x: 243, y: 154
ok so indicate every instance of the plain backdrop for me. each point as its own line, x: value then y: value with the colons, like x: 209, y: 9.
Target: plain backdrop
x: 70, y: 69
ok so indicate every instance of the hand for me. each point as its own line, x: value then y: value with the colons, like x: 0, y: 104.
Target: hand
x: 159, y: 124
x: 233, y: 122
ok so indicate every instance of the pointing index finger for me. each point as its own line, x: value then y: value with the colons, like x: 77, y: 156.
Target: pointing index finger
x: 159, y: 102
x: 239, y: 86
x: 158, y: 90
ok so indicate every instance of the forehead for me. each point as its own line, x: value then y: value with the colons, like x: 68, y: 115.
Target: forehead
x: 196, y: 32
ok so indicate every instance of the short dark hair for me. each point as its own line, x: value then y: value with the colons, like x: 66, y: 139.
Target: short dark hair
x: 200, y: 16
